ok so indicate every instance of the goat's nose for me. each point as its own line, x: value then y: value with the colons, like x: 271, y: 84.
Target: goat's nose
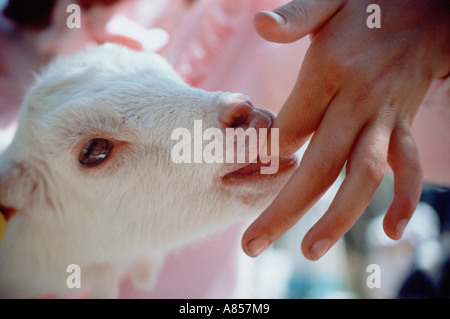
x: 236, y: 114
x: 240, y: 112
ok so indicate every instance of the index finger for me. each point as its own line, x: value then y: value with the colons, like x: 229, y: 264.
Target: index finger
x: 305, y: 106
x: 319, y: 168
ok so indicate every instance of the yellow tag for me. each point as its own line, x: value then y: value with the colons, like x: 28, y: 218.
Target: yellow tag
x: 2, y: 226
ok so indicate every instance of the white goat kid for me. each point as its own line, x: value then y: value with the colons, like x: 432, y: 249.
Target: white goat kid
x: 89, y: 179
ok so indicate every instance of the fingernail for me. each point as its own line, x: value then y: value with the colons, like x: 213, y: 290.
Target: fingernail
x: 257, y: 246
x: 400, y: 228
x: 279, y: 19
x: 319, y: 248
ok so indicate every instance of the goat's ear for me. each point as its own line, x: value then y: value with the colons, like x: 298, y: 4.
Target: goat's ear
x: 18, y: 187
x: 6, y: 209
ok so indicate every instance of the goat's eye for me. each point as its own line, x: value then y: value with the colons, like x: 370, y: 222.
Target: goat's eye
x: 95, y: 151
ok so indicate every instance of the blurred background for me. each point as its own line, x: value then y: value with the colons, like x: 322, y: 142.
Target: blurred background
x: 416, y: 266
x: 213, y: 45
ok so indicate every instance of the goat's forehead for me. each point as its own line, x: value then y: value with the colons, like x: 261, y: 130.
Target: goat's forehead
x: 111, y: 85
x: 113, y: 58
x: 74, y: 83
x: 116, y: 105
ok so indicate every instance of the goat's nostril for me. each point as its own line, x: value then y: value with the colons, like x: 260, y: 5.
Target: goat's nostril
x: 236, y: 115
x: 239, y: 120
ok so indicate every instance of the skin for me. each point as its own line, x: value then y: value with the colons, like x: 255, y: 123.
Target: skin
x: 357, y: 93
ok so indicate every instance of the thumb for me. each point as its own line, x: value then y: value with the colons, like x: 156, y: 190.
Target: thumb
x: 295, y: 19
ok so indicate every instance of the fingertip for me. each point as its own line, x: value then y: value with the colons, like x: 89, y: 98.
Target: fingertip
x: 399, y: 214
x: 270, y: 225
x: 269, y: 24
x: 402, y: 208
x: 315, y: 250
x: 295, y: 19
x: 254, y: 247
x: 307, y: 254
x: 320, y: 248
x: 408, y: 176
x: 270, y: 17
x: 395, y: 230
x: 400, y: 227
x: 395, y: 222
x: 389, y: 229
x: 254, y: 241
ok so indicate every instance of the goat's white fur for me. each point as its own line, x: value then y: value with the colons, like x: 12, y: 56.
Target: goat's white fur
x: 125, y: 213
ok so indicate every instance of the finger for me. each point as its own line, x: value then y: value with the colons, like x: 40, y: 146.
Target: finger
x: 315, y: 88
x: 405, y: 163
x: 295, y: 19
x: 319, y: 168
x: 364, y: 172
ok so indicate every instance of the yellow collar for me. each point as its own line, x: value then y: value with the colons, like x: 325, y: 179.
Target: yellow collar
x: 2, y: 223
x: 5, y: 214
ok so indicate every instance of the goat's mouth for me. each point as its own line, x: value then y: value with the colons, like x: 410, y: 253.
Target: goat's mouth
x: 255, y: 171
x: 260, y: 169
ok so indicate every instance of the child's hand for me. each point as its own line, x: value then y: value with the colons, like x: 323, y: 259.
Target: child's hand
x: 358, y: 91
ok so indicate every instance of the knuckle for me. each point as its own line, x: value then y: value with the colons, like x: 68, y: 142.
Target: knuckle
x: 324, y: 168
x: 364, y: 94
x: 344, y: 222
x: 339, y: 66
x: 415, y: 169
x: 415, y: 166
x: 373, y: 171
x: 299, y: 9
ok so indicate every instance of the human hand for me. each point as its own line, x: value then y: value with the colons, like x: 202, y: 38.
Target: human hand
x: 358, y: 91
